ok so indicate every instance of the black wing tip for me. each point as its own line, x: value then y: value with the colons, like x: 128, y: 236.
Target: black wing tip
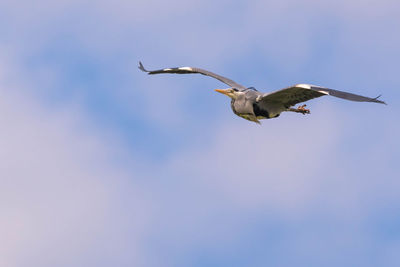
x: 141, y: 67
x: 378, y: 101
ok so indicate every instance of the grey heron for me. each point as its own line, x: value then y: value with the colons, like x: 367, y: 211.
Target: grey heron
x: 253, y: 105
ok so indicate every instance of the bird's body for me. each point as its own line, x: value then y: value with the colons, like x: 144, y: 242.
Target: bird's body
x: 253, y: 105
x: 247, y: 106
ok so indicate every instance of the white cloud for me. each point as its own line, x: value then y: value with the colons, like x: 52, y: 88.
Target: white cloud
x: 276, y: 163
x: 296, y: 170
x: 64, y: 196
x: 284, y: 35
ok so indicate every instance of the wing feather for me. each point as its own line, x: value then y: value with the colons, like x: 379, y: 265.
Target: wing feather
x: 191, y: 70
x: 303, y: 92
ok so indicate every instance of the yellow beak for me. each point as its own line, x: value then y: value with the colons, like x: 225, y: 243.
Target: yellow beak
x: 222, y: 91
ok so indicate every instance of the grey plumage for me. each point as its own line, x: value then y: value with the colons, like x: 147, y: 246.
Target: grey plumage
x: 252, y: 105
x: 185, y: 70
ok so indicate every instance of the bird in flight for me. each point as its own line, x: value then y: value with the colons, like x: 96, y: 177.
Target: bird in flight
x: 253, y: 105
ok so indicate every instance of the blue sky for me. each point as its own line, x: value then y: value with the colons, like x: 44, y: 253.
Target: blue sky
x: 102, y: 165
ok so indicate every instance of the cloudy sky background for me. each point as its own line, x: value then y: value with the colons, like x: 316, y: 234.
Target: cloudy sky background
x: 101, y: 165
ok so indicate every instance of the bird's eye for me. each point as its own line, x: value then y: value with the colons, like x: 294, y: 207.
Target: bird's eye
x: 234, y: 89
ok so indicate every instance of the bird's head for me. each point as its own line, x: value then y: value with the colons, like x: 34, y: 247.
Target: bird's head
x: 231, y: 92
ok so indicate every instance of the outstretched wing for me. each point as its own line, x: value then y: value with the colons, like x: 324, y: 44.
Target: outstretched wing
x: 302, y: 92
x: 186, y: 70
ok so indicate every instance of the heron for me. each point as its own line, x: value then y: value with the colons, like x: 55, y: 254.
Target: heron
x: 252, y: 105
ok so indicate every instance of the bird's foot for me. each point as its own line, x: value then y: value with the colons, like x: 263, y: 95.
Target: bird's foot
x: 301, y: 109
